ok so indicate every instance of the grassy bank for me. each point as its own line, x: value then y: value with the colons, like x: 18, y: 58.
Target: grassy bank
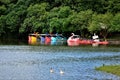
x: 114, y: 69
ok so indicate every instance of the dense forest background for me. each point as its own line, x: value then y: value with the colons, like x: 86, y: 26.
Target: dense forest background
x: 18, y: 18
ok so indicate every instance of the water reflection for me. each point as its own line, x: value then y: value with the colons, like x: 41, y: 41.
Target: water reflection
x: 20, y: 62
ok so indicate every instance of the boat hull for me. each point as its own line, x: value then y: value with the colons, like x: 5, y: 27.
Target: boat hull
x: 85, y: 42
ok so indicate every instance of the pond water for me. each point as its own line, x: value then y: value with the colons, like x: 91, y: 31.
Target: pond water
x: 27, y: 62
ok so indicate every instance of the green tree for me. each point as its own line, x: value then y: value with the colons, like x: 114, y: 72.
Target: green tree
x: 15, y: 18
x: 112, y: 6
x: 101, y: 23
x: 115, y: 24
x: 36, y: 18
x: 57, y: 19
x: 25, y: 16
x: 3, y: 7
x: 2, y: 25
x: 79, y: 21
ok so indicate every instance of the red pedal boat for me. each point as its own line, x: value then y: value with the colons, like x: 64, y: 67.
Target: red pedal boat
x: 75, y: 40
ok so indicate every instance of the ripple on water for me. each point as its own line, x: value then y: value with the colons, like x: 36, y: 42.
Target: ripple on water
x: 34, y: 62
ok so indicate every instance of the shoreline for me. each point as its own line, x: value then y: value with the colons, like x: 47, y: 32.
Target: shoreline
x: 111, y: 41
x: 113, y: 69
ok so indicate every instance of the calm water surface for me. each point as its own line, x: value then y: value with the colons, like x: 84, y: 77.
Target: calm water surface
x: 26, y: 62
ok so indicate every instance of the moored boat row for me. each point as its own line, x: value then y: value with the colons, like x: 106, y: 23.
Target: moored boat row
x: 53, y: 39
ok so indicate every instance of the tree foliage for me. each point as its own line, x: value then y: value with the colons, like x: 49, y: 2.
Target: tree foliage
x: 115, y: 24
x: 61, y: 16
x: 35, y: 19
x: 101, y: 23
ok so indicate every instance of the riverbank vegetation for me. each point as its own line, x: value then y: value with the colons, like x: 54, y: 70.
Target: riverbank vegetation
x: 18, y: 18
x: 114, y: 69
